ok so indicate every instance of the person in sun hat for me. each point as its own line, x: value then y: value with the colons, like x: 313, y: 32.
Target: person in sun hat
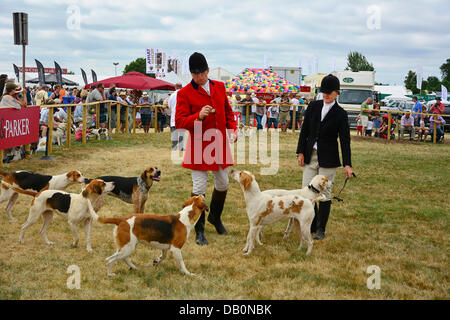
x: 317, y: 150
x: 14, y: 96
x: 203, y: 109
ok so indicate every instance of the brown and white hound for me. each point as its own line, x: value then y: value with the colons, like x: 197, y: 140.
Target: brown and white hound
x: 75, y: 208
x: 26, y: 180
x: 166, y: 233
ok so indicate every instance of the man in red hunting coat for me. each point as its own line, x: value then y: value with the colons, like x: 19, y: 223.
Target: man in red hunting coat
x: 203, y: 109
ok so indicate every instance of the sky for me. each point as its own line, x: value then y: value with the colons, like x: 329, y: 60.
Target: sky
x: 395, y: 36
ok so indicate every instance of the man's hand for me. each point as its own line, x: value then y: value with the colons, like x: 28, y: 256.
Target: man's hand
x: 301, y: 160
x: 233, y: 137
x: 348, y: 172
x: 205, y: 112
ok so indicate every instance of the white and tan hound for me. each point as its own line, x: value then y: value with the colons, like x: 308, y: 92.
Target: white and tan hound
x: 313, y: 191
x: 264, y: 208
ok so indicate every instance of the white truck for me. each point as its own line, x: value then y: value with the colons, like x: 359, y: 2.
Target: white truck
x: 356, y: 87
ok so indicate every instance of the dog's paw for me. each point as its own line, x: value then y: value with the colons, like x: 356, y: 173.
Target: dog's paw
x: 111, y: 274
x: 89, y: 250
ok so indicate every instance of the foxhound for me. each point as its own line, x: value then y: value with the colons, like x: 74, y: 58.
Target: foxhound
x: 75, y: 208
x: 133, y: 190
x: 31, y: 181
x: 313, y: 191
x: 168, y: 232
x: 265, y: 208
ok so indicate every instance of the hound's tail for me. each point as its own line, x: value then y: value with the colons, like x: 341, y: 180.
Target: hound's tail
x: 27, y: 192
x: 115, y: 221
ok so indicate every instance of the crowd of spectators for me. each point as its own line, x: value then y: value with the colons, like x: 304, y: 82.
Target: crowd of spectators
x: 278, y: 113
x: 418, y: 123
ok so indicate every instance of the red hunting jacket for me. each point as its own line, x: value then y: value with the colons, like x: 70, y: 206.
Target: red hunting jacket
x: 210, y: 147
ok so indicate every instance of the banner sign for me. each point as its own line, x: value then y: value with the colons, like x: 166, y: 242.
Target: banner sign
x: 172, y: 65
x: 46, y: 70
x: 18, y: 127
x: 156, y: 62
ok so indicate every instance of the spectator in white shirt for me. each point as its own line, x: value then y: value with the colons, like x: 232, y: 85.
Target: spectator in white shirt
x: 294, y: 104
x: 407, y: 124
x: 177, y: 134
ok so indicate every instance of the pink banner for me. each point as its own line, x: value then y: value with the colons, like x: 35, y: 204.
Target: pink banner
x: 46, y: 70
x: 18, y: 127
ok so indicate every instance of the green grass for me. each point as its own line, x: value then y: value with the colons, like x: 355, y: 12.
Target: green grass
x: 395, y: 215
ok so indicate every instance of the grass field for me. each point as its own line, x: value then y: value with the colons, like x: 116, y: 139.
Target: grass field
x: 395, y: 215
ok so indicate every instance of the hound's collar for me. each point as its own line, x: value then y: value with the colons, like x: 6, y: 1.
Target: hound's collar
x: 143, y: 186
x: 310, y: 186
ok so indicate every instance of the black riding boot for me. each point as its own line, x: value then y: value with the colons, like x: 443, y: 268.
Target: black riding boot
x: 314, y: 222
x: 324, y: 213
x: 215, y: 210
x: 200, y: 238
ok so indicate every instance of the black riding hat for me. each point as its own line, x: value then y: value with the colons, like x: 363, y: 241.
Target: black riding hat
x: 329, y: 84
x: 197, y: 63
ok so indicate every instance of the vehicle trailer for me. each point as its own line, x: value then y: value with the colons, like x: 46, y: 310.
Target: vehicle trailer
x: 356, y: 87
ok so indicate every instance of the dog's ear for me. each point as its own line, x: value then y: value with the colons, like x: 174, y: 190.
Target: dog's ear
x: 200, y: 204
x: 189, y: 202
x: 144, y: 175
x: 85, y: 193
x: 97, y: 188
x: 245, y: 180
x: 324, y: 183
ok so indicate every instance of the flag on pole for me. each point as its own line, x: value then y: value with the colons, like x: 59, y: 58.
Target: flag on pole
x: 444, y: 93
x: 16, y: 71
x: 84, y: 77
x: 58, y: 74
x: 185, y: 65
x: 41, y: 73
x: 419, y: 77
x: 316, y: 63
x: 94, y: 76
